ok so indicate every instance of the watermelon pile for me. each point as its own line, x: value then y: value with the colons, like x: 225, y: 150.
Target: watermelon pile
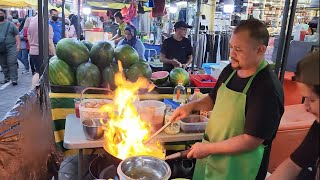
x: 94, y: 65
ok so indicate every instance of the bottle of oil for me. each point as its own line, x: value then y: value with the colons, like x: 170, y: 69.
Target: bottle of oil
x: 179, y: 93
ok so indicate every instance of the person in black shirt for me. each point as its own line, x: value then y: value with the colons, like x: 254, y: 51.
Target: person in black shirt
x: 247, y: 104
x: 176, y: 51
x: 304, y: 161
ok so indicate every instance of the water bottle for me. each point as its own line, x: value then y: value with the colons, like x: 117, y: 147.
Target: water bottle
x: 179, y: 94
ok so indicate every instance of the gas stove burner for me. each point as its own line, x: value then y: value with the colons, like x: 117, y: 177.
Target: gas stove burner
x: 104, y: 166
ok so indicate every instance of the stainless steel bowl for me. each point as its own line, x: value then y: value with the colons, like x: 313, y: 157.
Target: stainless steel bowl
x: 92, y: 129
x: 143, y: 168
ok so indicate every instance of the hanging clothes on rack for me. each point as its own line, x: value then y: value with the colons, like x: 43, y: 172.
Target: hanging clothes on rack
x: 212, y: 47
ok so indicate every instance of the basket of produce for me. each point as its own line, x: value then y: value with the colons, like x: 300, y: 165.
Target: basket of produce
x: 90, y: 108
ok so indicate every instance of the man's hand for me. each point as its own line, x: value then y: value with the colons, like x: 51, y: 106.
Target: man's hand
x: 182, y: 112
x: 199, y: 151
x: 18, y: 48
x: 184, y: 66
x: 176, y: 63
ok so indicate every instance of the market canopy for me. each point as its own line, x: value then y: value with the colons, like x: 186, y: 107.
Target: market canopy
x: 27, y: 4
x: 111, y: 5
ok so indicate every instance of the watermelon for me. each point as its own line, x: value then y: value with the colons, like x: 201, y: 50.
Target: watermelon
x: 127, y: 55
x: 108, y: 75
x: 72, y: 51
x: 138, y: 70
x: 159, y: 77
x: 102, y: 54
x: 60, y: 72
x: 179, y: 75
x: 88, y: 75
x: 88, y: 44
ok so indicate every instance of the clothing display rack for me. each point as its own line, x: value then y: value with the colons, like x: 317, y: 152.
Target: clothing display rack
x: 212, y: 47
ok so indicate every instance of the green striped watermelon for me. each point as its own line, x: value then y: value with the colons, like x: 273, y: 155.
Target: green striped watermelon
x: 179, y: 75
x: 60, y: 72
x: 88, y: 75
x: 72, y: 51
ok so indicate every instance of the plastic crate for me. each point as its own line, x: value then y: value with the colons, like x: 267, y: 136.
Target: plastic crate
x: 202, y: 80
x: 207, y: 67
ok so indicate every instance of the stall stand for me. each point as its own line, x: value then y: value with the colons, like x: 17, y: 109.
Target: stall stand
x: 96, y: 34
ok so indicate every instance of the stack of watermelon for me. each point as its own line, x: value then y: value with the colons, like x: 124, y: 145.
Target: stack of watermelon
x: 93, y: 65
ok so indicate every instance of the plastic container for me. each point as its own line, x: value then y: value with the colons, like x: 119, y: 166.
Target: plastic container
x: 153, y: 112
x: 179, y: 93
x: 203, y: 80
x: 194, y: 124
x: 90, y: 109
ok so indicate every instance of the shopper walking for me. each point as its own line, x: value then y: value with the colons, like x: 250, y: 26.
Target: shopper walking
x: 9, y: 48
x: 56, y: 26
x: 23, y: 55
x: 247, y: 105
x: 25, y: 35
x: 33, y: 38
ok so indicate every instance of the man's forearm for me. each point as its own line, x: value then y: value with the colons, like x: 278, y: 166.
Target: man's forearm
x: 235, y: 145
x: 52, y: 50
x: 204, y: 103
x: 286, y: 170
x: 189, y: 60
x: 18, y: 41
x: 114, y: 37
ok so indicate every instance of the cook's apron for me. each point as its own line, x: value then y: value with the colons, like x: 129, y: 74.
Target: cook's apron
x: 227, y: 120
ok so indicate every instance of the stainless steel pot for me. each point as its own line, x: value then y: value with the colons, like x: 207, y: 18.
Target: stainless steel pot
x: 143, y: 168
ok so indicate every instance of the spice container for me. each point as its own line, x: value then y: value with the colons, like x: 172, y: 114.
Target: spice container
x: 194, y: 124
x: 174, y: 127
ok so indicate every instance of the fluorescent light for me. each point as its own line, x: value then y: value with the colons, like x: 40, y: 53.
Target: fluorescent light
x: 104, y: 6
x: 86, y: 10
x: 173, y: 9
x: 228, y: 8
x: 181, y: 3
x: 167, y: 5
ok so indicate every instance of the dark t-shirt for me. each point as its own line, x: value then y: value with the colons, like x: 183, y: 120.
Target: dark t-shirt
x: 173, y: 49
x: 307, y: 154
x: 264, y: 106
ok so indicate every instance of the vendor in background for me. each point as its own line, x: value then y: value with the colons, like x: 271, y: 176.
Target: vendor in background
x: 111, y: 26
x: 247, y: 105
x: 176, y: 51
x: 56, y: 26
x: 131, y: 39
x: 122, y: 25
x: 304, y: 161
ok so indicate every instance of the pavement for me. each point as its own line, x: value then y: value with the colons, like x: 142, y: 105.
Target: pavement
x: 9, y: 94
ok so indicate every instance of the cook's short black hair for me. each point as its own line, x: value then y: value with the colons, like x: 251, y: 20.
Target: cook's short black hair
x: 51, y: 10
x: 118, y: 14
x: 256, y: 28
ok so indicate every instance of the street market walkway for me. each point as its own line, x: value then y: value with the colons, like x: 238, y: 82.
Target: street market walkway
x: 10, y: 94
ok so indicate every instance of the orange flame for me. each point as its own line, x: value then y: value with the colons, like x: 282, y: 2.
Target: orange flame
x: 125, y: 131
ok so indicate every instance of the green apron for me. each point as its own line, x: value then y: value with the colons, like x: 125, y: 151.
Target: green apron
x: 227, y: 120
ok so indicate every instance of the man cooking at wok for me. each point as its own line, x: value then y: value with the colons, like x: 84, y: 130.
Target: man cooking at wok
x: 246, y: 104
